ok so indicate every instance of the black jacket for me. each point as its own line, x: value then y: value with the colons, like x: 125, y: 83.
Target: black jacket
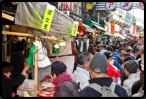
x: 102, y: 81
x: 66, y: 90
x: 17, y: 62
x: 8, y: 83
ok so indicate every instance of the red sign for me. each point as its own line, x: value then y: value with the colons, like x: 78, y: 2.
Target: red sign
x: 112, y: 27
x: 64, y: 5
x: 134, y: 30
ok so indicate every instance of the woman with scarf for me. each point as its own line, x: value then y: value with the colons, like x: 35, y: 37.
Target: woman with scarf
x: 64, y: 85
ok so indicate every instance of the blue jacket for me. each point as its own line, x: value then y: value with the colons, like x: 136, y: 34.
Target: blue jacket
x: 102, y: 81
x: 117, y: 65
x: 118, y: 59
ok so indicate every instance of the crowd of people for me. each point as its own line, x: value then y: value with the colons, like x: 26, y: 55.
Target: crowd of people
x: 107, y: 69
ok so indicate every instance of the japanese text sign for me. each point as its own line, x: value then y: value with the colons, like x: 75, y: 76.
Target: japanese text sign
x: 112, y: 27
x: 75, y: 28
x: 126, y: 5
x: 110, y: 5
x: 48, y: 17
x: 88, y: 6
x: 64, y: 5
x: 140, y: 5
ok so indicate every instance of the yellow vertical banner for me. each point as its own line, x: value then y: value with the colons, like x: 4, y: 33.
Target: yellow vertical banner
x: 48, y: 18
x: 88, y: 6
x: 75, y: 28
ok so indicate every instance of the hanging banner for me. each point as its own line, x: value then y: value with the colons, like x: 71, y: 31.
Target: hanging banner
x: 48, y: 17
x: 75, y: 28
x: 112, y: 27
x: 134, y: 29
x: 88, y: 6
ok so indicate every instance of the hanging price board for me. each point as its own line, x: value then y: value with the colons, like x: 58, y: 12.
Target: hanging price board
x: 75, y: 28
x: 48, y: 17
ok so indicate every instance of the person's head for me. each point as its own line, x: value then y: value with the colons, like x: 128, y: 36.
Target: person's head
x: 109, y: 57
x: 142, y: 55
x: 20, y: 46
x: 132, y: 45
x: 91, y: 49
x: 126, y: 45
x: 124, y: 55
x: 57, y: 68
x: 110, y: 49
x: 130, y: 51
x: 130, y: 67
x: 6, y: 69
x: 98, y: 65
x: 127, y: 59
x: 84, y: 59
x: 122, y: 50
x: 136, y: 50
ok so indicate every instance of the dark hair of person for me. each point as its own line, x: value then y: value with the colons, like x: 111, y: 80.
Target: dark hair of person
x: 85, y: 56
x: 91, y: 49
x: 127, y: 59
x: 121, y: 48
x: 6, y: 67
x: 136, y: 48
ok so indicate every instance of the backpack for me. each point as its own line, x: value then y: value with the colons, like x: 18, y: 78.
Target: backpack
x: 105, y: 91
x: 77, y: 88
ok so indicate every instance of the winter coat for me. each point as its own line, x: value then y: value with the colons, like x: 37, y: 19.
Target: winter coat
x: 8, y: 83
x: 117, y: 65
x: 116, y: 57
x: 102, y: 81
x: 128, y: 83
x: 81, y: 75
x: 66, y: 90
x: 17, y: 62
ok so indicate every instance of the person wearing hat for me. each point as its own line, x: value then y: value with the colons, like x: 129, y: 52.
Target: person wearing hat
x: 126, y: 46
x: 133, y: 73
x: 64, y: 85
x: 98, y: 69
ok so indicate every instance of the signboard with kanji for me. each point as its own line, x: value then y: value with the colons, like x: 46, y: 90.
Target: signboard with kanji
x: 126, y: 5
x: 110, y: 5
x: 112, y: 27
x: 140, y: 5
x: 48, y: 18
x: 75, y: 28
x: 64, y: 5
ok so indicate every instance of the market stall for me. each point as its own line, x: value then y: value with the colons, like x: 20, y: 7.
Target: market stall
x: 57, y: 34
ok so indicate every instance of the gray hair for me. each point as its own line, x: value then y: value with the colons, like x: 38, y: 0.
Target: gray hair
x: 85, y: 56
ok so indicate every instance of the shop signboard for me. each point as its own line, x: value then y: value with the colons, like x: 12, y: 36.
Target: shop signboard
x: 126, y: 5
x: 112, y: 27
x: 140, y: 5
x: 64, y: 5
x: 48, y: 17
x: 75, y: 28
x: 134, y: 29
x: 110, y: 5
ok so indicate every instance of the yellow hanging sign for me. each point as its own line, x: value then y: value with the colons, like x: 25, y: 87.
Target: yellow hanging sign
x: 47, y: 19
x: 88, y: 6
x: 75, y: 28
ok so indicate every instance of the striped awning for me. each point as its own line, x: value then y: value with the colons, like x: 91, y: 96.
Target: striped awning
x: 97, y: 26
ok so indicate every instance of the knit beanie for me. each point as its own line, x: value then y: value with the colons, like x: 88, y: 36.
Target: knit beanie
x: 108, y: 54
x: 58, y: 67
x: 99, y: 63
x: 131, y: 66
x: 112, y: 71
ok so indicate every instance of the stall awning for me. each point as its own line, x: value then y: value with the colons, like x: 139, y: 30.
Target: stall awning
x: 97, y: 26
x: 119, y: 35
x: 88, y: 28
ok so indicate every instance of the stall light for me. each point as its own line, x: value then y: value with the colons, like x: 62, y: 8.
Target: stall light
x: 37, y: 42
x: 62, y: 44
x: 56, y: 46
x: 7, y: 26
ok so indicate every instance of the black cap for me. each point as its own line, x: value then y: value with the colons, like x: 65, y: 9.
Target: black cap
x: 108, y: 54
x: 58, y: 67
x: 129, y: 49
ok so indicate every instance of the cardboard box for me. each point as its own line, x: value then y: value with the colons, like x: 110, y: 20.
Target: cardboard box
x: 27, y: 84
